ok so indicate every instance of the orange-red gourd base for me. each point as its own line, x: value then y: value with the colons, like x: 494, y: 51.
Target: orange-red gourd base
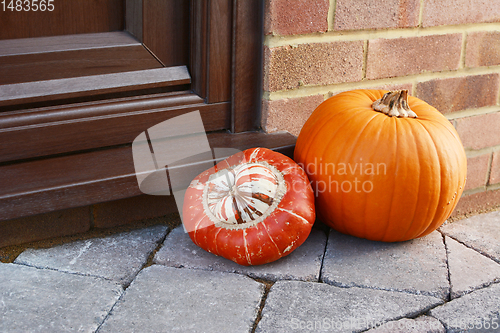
x: 377, y: 176
x: 252, y: 208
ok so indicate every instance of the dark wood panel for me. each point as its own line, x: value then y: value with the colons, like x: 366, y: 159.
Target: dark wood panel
x: 68, y: 17
x: 78, y: 180
x: 247, y: 65
x: 41, y: 186
x: 24, y: 46
x: 133, y: 18
x: 199, y: 47
x: 50, y: 131
x: 166, y: 30
x: 59, y: 65
x: 37, y: 91
x: 211, y: 49
x: 220, y: 48
x: 72, y: 112
x: 281, y: 142
x: 46, y: 58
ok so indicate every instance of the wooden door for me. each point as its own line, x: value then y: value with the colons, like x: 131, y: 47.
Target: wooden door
x: 79, y: 83
x: 82, y: 38
x: 89, y: 89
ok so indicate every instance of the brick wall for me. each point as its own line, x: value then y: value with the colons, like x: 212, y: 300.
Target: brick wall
x: 446, y: 52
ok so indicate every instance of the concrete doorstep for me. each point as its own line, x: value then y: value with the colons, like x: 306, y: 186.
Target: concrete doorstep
x: 157, y: 280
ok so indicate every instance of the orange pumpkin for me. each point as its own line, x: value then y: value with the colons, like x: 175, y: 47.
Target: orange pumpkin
x: 388, y: 175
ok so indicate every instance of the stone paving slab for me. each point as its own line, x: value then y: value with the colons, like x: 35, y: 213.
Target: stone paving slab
x: 117, y: 257
x: 480, y: 232
x: 166, y: 299
x: 302, y: 264
x: 368, y: 283
x: 297, y: 306
x: 421, y: 324
x: 478, y: 311
x: 469, y: 270
x: 417, y: 266
x: 40, y: 300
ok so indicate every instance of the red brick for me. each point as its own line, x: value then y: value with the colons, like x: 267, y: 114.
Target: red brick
x: 376, y: 14
x: 44, y: 226
x: 479, y: 131
x: 413, y: 55
x: 298, y: 17
x: 477, y: 203
x: 477, y: 171
x: 449, y: 12
x: 461, y: 93
x: 288, y: 114
x: 289, y: 67
x: 483, y: 49
x: 495, y: 169
x: 125, y: 211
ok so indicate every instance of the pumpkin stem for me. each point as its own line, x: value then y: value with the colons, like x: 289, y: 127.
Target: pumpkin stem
x: 394, y: 104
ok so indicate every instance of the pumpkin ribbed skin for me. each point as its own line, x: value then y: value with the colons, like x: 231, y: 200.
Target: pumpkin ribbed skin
x: 379, y: 177
x: 252, y: 208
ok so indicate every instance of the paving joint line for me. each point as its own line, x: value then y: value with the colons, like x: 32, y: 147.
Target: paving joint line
x: 110, y: 310
x: 483, y: 286
x: 151, y: 255
x: 427, y: 312
x: 409, y: 292
x: 267, y: 287
x: 472, y: 248
x: 320, y: 275
x: 448, y: 277
x: 71, y: 273
x: 410, y: 316
x: 149, y: 260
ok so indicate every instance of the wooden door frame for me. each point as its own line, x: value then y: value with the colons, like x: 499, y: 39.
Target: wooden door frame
x: 244, y: 68
x: 45, y: 148
x: 228, y: 96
